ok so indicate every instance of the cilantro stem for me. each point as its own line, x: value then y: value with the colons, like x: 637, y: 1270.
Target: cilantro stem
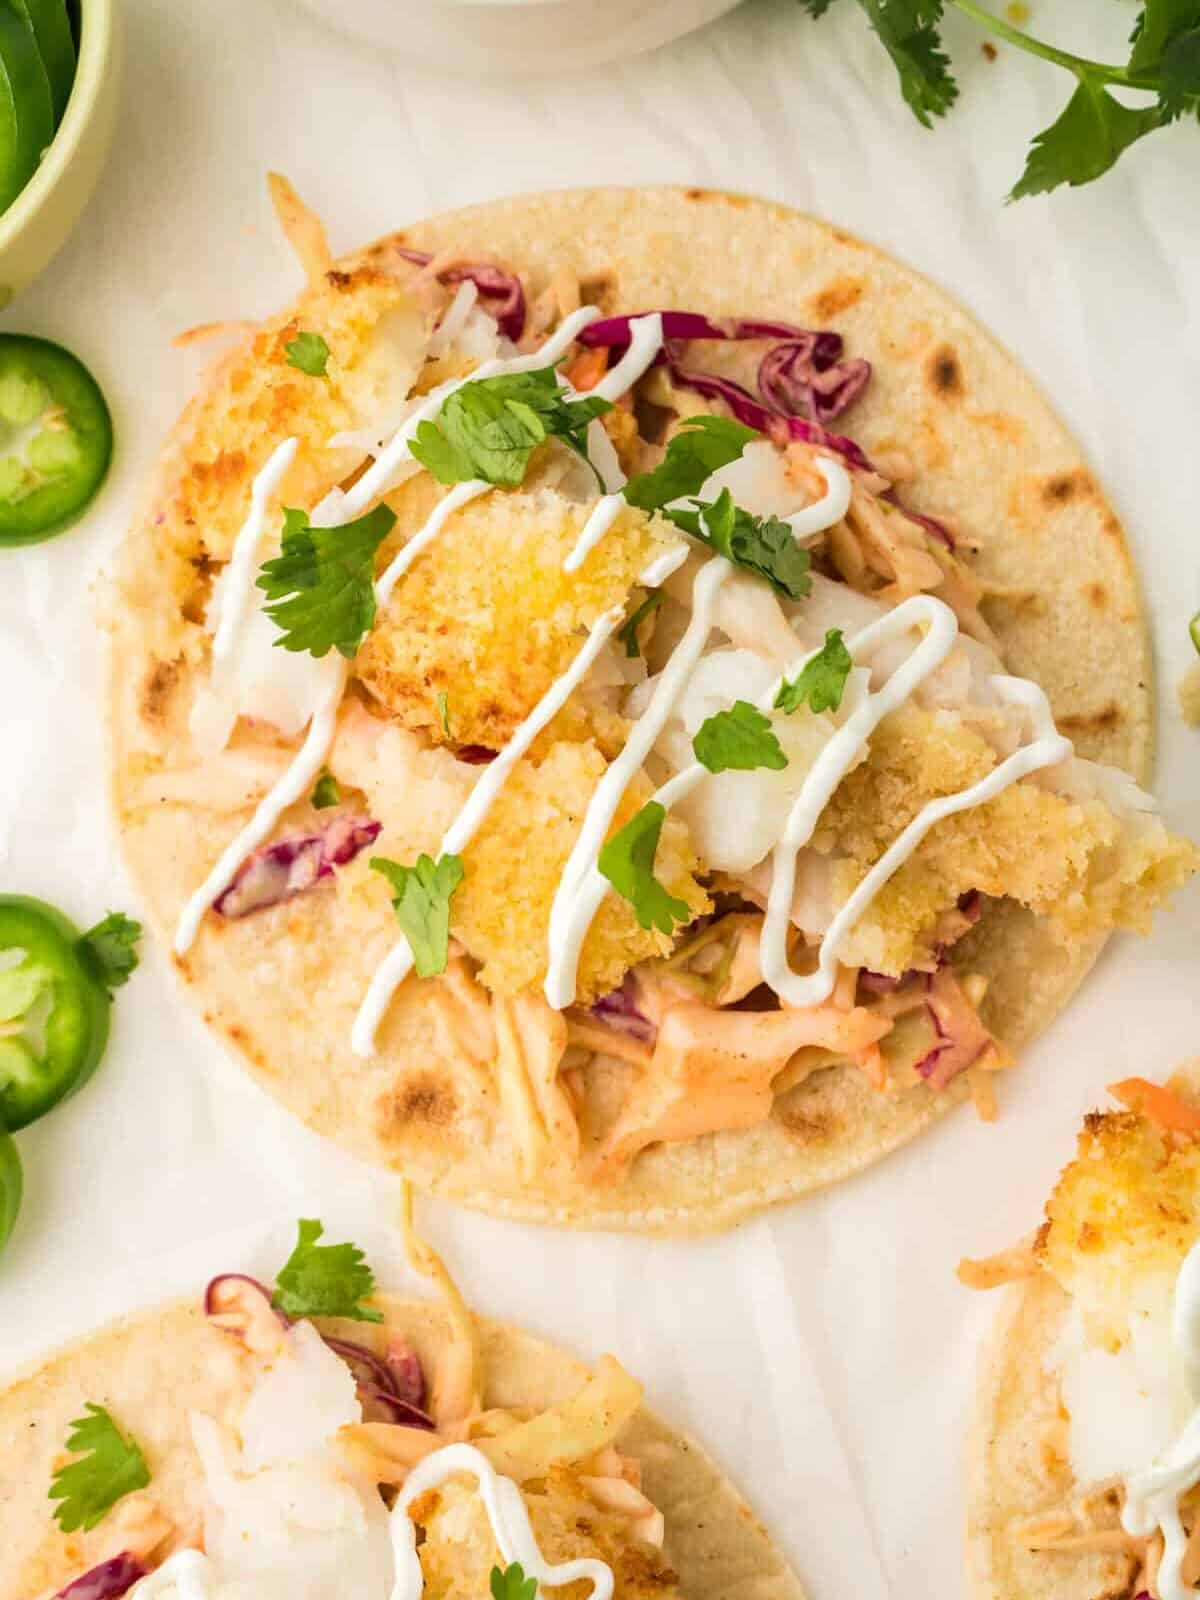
x: 1081, y: 66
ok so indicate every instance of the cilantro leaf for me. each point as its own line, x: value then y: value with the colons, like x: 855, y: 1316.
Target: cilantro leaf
x: 324, y: 1280
x: 740, y: 740
x: 109, y: 950
x: 908, y: 31
x: 627, y: 861
x: 512, y: 1584
x: 490, y: 427
x: 691, y: 459
x: 1166, y: 45
x: 422, y: 906
x: 322, y: 584
x: 764, y: 545
x: 109, y: 1466
x: 443, y: 711
x: 309, y: 353
x: 1180, y: 74
x: 627, y: 633
x: 821, y: 682
x: 1086, y: 140
x: 327, y: 791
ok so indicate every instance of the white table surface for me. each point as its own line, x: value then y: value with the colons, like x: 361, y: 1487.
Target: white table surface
x: 826, y: 1352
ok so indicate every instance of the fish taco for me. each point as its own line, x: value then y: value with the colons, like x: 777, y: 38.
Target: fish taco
x: 628, y: 705
x: 1085, y: 1464
x: 319, y: 1438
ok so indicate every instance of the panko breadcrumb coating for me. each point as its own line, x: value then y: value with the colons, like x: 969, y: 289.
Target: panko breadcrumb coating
x: 491, y: 619
x: 459, y: 1550
x: 377, y: 333
x: 501, y: 910
x: 1126, y: 1209
x: 1074, y: 862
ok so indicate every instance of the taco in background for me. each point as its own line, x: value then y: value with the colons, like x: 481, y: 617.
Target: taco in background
x: 1085, y: 1464
x: 241, y: 1443
x: 577, y: 772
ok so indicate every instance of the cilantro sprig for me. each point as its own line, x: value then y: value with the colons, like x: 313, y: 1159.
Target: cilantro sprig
x: 1095, y: 128
x: 702, y: 446
x: 109, y: 950
x: 422, y: 906
x: 627, y: 861
x: 108, y: 1466
x: 324, y: 1280
x: 308, y: 353
x: 765, y: 545
x: 821, y: 682
x: 489, y: 428
x: 512, y: 1584
x: 739, y: 739
x: 321, y: 587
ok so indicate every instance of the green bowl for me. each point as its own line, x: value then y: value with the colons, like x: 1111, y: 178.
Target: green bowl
x: 37, y: 224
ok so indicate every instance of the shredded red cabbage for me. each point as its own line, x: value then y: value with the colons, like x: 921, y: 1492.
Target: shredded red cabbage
x: 619, y: 1009
x: 394, y: 1385
x: 878, y: 982
x: 962, y: 1037
x: 105, y: 1582
x: 493, y: 283
x: 279, y: 871
x: 805, y: 377
x: 833, y: 385
x: 212, y: 1294
x: 408, y: 1375
x: 377, y: 1383
x: 932, y: 525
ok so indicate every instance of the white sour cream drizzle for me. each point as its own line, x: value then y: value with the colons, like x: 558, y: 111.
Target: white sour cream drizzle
x: 342, y: 506
x: 1047, y: 749
x: 507, y: 1514
x: 398, y: 963
x: 239, y: 579
x: 189, y: 1572
x: 295, y: 783
x: 830, y: 508
x: 1152, y: 1497
x: 582, y: 888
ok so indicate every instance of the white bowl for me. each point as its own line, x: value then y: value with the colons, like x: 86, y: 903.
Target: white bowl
x: 512, y: 38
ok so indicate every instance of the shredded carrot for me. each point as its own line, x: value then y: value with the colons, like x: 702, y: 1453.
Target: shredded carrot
x: 1157, y: 1104
x: 461, y: 1370
x: 302, y: 228
x: 1006, y: 1266
x: 983, y: 1093
x: 205, y: 331
x: 586, y: 370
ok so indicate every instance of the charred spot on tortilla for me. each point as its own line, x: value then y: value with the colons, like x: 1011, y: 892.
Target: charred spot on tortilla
x: 944, y: 373
x: 1096, y: 595
x: 160, y: 684
x: 837, y: 296
x: 806, y: 1126
x: 1108, y: 716
x: 429, y: 1100
x: 1065, y: 487
x: 599, y: 289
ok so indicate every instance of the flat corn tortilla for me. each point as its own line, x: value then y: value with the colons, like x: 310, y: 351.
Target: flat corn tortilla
x: 150, y: 1370
x: 989, y: 454
x: 1018, y: 1461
